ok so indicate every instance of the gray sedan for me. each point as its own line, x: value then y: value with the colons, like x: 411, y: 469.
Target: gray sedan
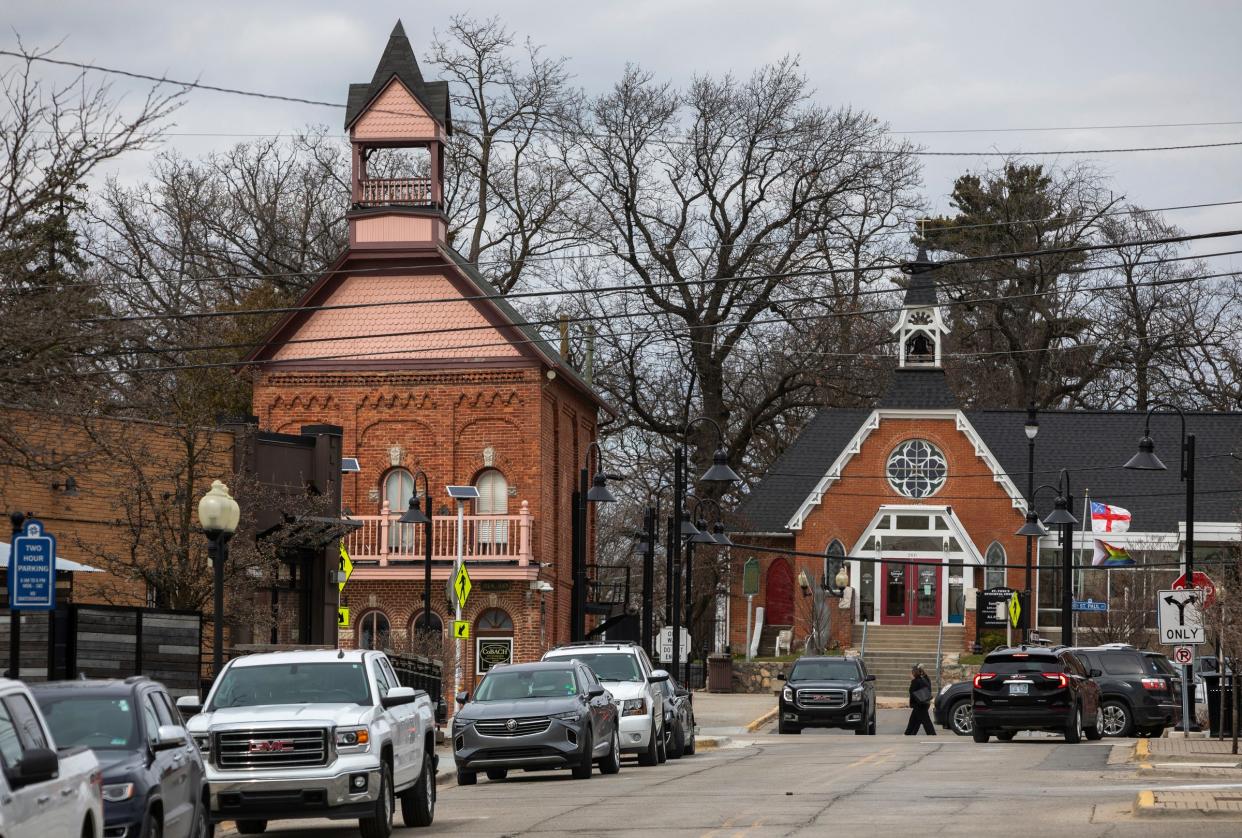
x: 533, y: 716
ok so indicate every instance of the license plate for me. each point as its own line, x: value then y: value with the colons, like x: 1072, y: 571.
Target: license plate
x: 1019, y: 689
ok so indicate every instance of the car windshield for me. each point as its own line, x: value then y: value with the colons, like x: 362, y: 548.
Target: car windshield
x: 500, y: 685
x: 619, y: 666
x: 1013, y: 664
x: 824, y: 671
x: 292, y: 683
x: 91, y: 721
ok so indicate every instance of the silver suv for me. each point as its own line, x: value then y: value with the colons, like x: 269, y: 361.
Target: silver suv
x: 627, y: 673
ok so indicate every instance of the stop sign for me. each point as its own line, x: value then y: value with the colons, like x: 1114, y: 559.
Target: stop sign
x: 1201, y: 581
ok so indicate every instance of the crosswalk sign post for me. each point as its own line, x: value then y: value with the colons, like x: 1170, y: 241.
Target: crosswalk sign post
x: 461, y: 629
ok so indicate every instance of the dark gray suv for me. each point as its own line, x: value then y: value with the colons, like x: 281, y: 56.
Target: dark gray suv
x: 552, y: 714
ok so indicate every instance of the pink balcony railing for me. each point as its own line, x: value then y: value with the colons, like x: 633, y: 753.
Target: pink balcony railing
x: 380, y: 191
x: 494, y: 537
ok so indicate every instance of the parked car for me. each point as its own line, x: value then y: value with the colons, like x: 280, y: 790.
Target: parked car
x: 827, y: 692
x: 536, y: 716
x: 154, y: 782
x: 316, y: 734
x: 1034, y: 688
x: 627, y: 673
x: 1140, y: 692
x: 45, y: 792
x: 952, y: 708
x: 679, y: 724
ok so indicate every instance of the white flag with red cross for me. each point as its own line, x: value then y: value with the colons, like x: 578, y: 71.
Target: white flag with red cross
x: 1105, y: 518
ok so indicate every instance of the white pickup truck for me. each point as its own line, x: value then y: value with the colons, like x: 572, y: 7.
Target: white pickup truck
x: 43, y: 792
x: 316, y: 734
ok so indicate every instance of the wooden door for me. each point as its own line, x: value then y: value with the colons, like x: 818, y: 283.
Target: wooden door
x: 780, y: 594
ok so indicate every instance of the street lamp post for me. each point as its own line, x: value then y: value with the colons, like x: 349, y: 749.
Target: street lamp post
x: 720, y: 472
x: 1063, y: 518
x: 17, y: 519
x: 1146, y: 460
x: 218, y: 515
x: 414, y: 516
x: 715, y: 538
x: 1031, y: 428
x: 590, y: 490
x: 647, y: 539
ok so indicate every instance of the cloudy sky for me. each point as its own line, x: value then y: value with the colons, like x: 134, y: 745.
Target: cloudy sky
x: 943, y: 70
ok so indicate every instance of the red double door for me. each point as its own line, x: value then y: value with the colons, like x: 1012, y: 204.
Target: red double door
x: 910, y: 594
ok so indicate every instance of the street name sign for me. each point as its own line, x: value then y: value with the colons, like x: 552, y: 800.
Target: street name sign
x: 1090, y: 605
x: 32, y: 569
x: 1181, y: 621
x: 666, y: 645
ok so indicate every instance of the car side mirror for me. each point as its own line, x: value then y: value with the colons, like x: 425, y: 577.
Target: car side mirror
x: 1095, y: 673
x: 595, y: 691
x: 780, y: 676
x: 463, y: 697
x: 869, y: 678
x: 398, y: 696
x: 38, y: 765
x: 657, y: 676
x: 189, y: 705
x: 168, y: 737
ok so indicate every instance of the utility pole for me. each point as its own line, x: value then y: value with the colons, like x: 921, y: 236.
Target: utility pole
x: 649, y: 527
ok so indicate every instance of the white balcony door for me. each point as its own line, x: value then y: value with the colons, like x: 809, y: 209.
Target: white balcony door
x: 493, y: 500
x: 398, y: 489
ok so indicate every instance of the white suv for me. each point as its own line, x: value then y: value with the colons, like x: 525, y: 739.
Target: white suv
x: 628, y: 674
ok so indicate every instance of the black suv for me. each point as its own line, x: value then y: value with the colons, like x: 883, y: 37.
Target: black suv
x: 827, y: 692
x: 153, y: 777
x: 1035, y: 688
x: 1140, y: 692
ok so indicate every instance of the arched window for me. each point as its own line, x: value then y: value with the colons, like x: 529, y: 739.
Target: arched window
x: 493, y: 501
x: 374, y: 631
x: 834, y: 560
x: 493, y: 639
x: 994, y: 570
x: 398, y: 489
x: 416, y: 623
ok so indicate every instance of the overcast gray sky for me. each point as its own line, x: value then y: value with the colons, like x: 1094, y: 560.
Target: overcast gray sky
x: 920, y: 66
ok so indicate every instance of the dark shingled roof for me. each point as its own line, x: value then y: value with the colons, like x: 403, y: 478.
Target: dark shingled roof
x: 398, y: 61
x: 1093, y: 445
x: 921, y: 288
x: 916, y: 388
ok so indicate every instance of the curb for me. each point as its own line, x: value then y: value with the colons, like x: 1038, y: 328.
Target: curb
x: 767, y: 717
x: 1142, y: 750
x: 1146, y: 806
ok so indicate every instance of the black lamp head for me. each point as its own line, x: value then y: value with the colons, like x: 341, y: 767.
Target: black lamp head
x: 687, y: 526
x: 599, y: 493
x: 1032, y: 527
x: 1146, y: 459
x: 1060, y: 514
x: 702, y: 537
x: 413, y: 515
x: 719, y: 534
x: 1032, y: 422
x: 720, y: 472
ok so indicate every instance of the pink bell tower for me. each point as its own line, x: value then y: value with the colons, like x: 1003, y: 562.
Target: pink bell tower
x: 398, y: 124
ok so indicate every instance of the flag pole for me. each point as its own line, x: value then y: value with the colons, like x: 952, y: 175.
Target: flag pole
x: 1082, y: 571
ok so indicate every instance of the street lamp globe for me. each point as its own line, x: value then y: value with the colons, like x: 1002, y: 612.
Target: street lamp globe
x: 217, y: 511
x: 842, y: 579
x: 1032, y: 423
x: 804, y: 583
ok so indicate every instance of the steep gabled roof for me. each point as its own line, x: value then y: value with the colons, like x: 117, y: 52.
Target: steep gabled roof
x: 921, y: 287
x: 398, y: 62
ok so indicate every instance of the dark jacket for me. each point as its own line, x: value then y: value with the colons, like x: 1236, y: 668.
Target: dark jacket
x: 915, y: 683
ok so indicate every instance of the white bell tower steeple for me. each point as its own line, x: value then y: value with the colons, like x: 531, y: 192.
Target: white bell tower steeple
x: 920, y: 327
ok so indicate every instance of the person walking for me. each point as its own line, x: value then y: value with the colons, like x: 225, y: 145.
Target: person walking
x: 920, y: 701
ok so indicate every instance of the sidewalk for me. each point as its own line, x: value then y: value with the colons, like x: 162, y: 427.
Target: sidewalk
x: 1187, y: 749
x: 1192, y: 756
x: 732, y: 714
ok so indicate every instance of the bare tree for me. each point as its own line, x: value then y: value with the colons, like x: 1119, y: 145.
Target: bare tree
x: 1223, y: 620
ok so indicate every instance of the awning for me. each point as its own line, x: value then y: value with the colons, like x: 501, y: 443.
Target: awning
x: 312, y: 532
x: 62, y: 564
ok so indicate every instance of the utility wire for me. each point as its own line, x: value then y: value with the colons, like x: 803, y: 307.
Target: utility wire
x: 341, y: 106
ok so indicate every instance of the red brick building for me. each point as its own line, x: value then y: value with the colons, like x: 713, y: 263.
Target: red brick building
x: 426, y: 367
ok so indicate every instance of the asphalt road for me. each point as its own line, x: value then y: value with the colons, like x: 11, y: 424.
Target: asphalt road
x: 820, y: 783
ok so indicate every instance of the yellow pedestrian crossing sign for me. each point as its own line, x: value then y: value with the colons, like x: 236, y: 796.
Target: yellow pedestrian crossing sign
x: 462, y: 586
x: 346, y: 566
x: 461, y: 629
x: 1015, y: 610
x: 342, y: 618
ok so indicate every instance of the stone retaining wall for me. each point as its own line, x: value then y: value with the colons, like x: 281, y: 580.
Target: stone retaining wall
x: 757, y: 677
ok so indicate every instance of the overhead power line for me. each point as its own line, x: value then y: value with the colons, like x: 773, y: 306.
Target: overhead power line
x: 233, y: 91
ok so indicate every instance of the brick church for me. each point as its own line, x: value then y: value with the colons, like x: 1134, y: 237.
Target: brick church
x: 920, y: 500
x: 429, y: 371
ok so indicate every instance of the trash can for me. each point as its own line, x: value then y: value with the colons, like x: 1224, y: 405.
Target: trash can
x: 1216, y: 684
x: 719, y: 673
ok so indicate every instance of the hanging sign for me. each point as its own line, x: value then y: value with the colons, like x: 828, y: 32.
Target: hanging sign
x: 492, y: 651
x: 32, y: 569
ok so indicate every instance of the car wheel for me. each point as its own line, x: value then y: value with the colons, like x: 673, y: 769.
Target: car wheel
x: 871, y: 723
x: 467, y: 778
x: 676, y: 742
x: 151, y: 827
x: 783, y: 727
x: 202, y: 823
x: 418, y: 803
x: 979, y: 734
x: 251, y: 827
x: 611, y: 764
x: 962, y: 717
x: 662, y: 751
x: 1073, y: 727
x: 379, y: 824
x: 689, y: 738
x: 1115, y: 719
x: 651, y: 754
x: 1005, y: 736
x: 582, y: 771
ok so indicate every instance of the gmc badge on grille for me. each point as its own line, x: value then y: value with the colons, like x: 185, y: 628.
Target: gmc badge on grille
x: 270, y: 746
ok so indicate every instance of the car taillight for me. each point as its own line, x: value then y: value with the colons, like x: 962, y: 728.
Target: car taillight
x: 1154, y: 684
x: 1060, y: 677
x: 984, y: 676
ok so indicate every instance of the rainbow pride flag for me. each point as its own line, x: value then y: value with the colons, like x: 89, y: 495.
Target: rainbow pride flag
x: 1110, y: 555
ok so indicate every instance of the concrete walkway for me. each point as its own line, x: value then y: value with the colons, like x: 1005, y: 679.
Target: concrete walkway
x: 731, y: 714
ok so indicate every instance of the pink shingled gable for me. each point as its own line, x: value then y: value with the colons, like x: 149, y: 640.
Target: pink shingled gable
x: 395, y: 114
x: 343, y: 331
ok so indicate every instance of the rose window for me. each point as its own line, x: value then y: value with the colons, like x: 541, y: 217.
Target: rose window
x: 917, y: 469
